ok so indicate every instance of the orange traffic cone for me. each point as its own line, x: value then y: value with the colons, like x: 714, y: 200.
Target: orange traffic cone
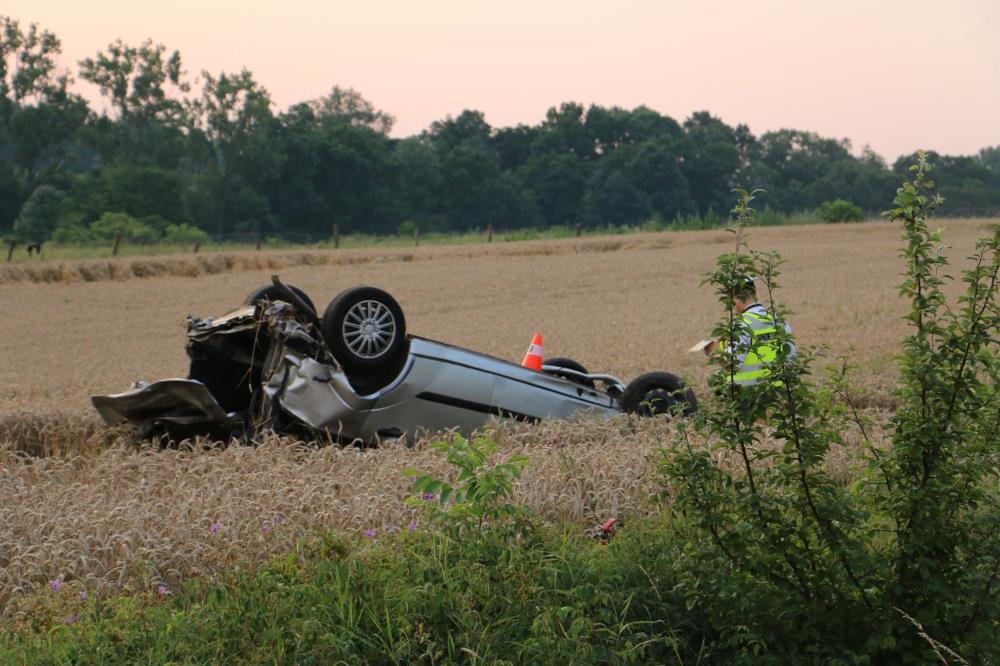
x: 533, y: 359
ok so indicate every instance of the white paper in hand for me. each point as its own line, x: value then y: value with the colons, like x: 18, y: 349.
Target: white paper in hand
x: 701, y: 345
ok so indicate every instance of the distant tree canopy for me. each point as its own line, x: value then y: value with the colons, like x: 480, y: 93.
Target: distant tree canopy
x: 212, y: 154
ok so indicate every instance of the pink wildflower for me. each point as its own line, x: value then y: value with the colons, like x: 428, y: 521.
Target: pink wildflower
x: 370, y: 534
x: 162, y: 590
x: 213, y: 528
x: 55, y: 584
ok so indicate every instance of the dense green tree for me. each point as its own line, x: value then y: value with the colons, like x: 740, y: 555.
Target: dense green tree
x: 557, y: 183
x: 655, y: 169
x: 147, y: 91
x: 868, y: 186
x: 966, y: 183
x: 513, y: 145
x: 613, y: 199
x: 42, y: 135
x: 347, y: 105
x: 650, y: 174
x: 990, y: 157
x: 802, y: 155
x: 40, y: 215
x: 420, y: 183
x: 607, y: 128
x: 478, y: 193
x: 710, y: 161
x: 12, y: 196
x: 28, y: 72
x: 469, y: 129
x: 38, y: 115
x: 334, y: 173
x: 611, y: 128
x: 231, y: 122
x: 564, y: 131
x: 797, y: 159
x: 136, y: 191
x: 139, y: 81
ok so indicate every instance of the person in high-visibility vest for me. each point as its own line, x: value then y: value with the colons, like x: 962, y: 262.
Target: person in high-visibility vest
x: 758, y: 345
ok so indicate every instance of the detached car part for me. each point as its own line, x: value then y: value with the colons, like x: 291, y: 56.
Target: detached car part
x: 355, y: 374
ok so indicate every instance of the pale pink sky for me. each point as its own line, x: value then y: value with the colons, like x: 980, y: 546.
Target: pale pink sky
x: 896, y: 75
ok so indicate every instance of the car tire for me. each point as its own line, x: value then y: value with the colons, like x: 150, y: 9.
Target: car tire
x: 365, y: 331
x: 569, y: 364
x: 273, y: 293
x: 658, y: 393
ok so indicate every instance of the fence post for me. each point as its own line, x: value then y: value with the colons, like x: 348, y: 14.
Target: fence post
x: 118, y: 240
x: 579, y: 230
x: 489, y: 233
x: 416, y: 235
x: 10, y: 252
x: 336, y: 237
x: 196, y: 246
x: 258, y: 242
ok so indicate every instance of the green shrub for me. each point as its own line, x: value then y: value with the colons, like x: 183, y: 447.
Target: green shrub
x: 878, y: 569
x: 157, y: 222
x: 132, y: 230
x: 839, y: 210
x: 654, y: 223
x: 72, y: 234
x: 406, y: 228
x: 480, y: 496
x: 185, y: 234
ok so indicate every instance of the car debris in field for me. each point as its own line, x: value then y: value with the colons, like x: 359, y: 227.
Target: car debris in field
x: 356, y: 375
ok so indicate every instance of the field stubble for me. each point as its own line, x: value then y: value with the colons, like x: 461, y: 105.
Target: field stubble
x: 94, y: 511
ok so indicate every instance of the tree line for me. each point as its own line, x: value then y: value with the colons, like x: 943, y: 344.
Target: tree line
x: 177, y: 155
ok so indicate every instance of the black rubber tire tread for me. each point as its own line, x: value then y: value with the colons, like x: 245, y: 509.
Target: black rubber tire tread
x: 646, y: 394
x: 364, y: 369
x: 569, y: 364
x: 271, y: 292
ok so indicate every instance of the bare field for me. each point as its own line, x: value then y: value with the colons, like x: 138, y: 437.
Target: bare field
x: 97, y: 514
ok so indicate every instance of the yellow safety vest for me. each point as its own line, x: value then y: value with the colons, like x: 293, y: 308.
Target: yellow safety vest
x: 763, y: 349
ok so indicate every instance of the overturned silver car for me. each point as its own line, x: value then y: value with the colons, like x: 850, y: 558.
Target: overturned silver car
x: 356, y: 375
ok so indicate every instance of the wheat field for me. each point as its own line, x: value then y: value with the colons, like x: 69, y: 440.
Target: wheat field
x: 79, y: 503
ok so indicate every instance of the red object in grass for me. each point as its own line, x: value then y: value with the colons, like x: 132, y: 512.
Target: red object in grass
x: 609, y: 525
